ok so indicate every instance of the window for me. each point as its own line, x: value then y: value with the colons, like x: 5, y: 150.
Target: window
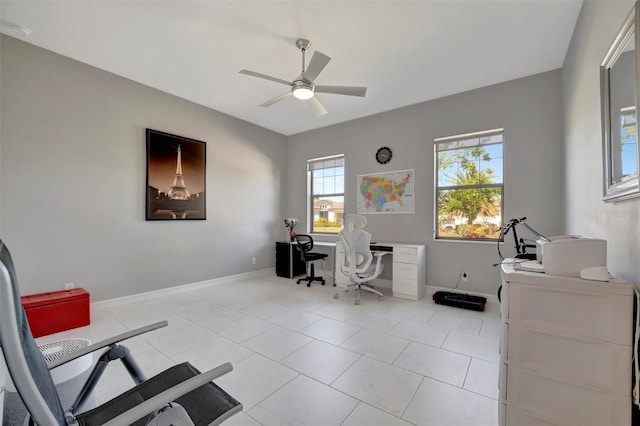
x: 326, y: 194
x: 469, y: 185
x: 629, y: 146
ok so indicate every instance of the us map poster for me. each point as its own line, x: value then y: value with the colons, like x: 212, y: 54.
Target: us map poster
x: 389, y: 192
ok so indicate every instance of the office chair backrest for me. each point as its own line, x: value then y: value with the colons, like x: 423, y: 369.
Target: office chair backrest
x: 24, y: 360
x: 304, y: 243
x: 355, y: 241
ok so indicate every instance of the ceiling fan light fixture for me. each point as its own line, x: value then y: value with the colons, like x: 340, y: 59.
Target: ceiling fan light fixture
x: 303, y: 93
x: 304, y: 87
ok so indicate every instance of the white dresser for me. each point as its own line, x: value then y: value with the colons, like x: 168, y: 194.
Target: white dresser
x: 409, y: 269
x: 565, y: 350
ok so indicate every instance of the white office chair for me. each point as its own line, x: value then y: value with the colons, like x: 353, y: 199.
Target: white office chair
x: 357, y: 263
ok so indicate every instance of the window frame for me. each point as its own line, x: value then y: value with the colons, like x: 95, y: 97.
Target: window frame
x: 438, y: 188
x: 311, y: 196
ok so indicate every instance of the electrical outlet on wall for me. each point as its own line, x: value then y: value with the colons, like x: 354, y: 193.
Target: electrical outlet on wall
x: 253, y: 260
x: 69, y: 286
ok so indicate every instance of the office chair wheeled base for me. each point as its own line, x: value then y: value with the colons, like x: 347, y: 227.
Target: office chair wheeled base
x: 311, y: 277
x: 358, y: 288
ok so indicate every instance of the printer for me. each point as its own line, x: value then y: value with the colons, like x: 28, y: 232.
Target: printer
x: 568, y: 255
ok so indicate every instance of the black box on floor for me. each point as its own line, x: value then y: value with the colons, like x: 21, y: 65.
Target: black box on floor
x: 465, y: 301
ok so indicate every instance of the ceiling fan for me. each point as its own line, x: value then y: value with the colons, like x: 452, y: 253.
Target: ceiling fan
x: 304, y: 87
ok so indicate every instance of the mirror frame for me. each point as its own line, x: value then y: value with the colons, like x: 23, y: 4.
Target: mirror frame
x: 631, y: 187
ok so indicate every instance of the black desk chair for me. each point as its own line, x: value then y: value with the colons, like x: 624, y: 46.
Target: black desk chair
x: 305, y: 245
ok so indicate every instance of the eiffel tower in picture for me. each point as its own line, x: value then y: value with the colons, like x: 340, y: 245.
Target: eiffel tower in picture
x: 178, y: 190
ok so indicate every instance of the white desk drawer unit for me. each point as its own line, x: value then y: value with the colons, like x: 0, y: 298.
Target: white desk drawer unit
x: 565, y: 350
x: 409, y: 269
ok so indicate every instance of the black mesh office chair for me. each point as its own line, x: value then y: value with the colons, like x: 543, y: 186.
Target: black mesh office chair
x: 305, y: 245
x: 179, y: 395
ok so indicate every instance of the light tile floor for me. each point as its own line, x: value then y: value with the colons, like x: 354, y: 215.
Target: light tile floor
x: 301, y: 357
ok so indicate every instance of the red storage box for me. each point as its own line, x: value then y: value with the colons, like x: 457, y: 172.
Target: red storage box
x: 50, y: 313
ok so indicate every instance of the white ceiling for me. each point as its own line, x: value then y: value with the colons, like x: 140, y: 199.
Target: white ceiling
x: 405, y: 52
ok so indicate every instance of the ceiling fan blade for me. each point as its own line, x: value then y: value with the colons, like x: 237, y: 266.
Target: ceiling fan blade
x: 317, y: 107
x: 276, y: 99
x: 318, y: 61
x: 342, y: 90
x: 264, y: 76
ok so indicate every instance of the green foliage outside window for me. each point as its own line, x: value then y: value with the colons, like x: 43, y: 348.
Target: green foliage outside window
x: 469, y: 188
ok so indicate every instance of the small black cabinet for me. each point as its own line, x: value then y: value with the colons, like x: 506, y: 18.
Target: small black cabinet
x: 289, y: 264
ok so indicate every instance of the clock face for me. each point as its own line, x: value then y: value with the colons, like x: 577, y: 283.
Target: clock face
x: 383, y: 156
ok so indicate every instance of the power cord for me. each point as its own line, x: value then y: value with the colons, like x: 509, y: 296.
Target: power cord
x: 324, y: 262
x: 458, y: 282
x: 500, y: 240
x: 509, y: 262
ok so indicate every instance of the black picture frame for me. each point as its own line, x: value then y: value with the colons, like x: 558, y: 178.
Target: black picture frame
x: 176, y: 177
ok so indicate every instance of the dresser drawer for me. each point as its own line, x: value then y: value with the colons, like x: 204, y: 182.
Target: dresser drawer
x: 584, y: 314
x: 566, y: 403
x: 405, y: 254
x: 521, y: 417
x: 405, y: 270
x: 502, y: 382
x: 504, y: 301
x: 504, y: 341
x: 593, y: 363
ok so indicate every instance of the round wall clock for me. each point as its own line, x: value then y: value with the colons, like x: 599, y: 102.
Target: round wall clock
x: 383, y: 155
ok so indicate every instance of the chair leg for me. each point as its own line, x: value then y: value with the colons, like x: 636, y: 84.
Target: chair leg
x: 359, y: 287
x: 115, y: 352
x: 344, y: 290
x: 312, y: 276
x: 372, y: 290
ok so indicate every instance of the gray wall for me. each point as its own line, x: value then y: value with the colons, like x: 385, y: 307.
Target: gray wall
x: 73, y: 176
x: 586, y: 213
x: 73, y: 181
x: 529, y: 110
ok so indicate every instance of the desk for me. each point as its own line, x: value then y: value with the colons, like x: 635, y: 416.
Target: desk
x: 409, y: 269
x: 289, y: 263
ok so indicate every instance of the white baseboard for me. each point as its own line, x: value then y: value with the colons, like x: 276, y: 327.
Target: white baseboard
x: 185, y: 287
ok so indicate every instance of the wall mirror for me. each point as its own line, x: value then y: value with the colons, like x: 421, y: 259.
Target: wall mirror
x: 619, y: 97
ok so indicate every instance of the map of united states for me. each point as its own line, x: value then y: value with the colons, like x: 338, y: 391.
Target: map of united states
x: 381, y: 192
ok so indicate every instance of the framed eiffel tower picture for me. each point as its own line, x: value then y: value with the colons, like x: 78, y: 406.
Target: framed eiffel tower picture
x: 175, y: 177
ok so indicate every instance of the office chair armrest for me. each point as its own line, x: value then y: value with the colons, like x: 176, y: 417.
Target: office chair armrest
x: 106, y: 342
x: 378, y: 255
x: 169, y: 395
